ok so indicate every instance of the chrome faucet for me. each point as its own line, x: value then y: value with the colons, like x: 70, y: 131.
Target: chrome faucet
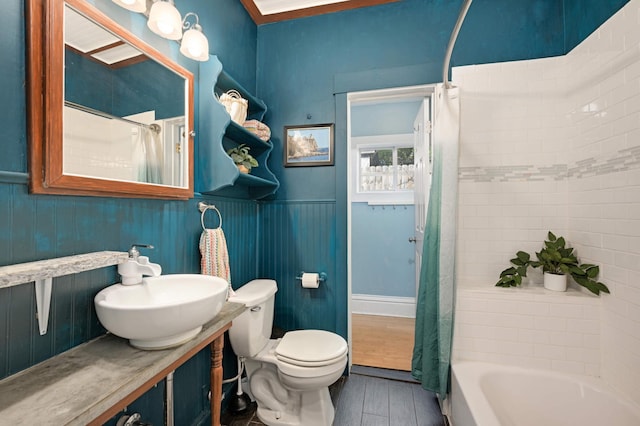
x: 133, y: 251
x: 136, y: 266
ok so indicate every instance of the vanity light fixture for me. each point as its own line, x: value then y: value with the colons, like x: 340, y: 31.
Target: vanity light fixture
x: 139, y: 6
x: 165, y: 20
x: 194, y: 43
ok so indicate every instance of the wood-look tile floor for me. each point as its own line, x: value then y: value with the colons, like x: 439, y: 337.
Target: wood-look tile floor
x: 374, y: 401
x: 383, y: 342
x: 250, y: 418
x: 363, y: 400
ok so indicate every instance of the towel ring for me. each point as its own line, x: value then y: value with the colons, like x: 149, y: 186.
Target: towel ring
x: 203, y: 208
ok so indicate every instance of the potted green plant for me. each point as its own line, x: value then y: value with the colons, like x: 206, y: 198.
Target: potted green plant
x: 557, y: 261
x: 241, y: 157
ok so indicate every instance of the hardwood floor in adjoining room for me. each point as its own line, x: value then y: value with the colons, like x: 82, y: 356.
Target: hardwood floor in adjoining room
x: 383, y: 342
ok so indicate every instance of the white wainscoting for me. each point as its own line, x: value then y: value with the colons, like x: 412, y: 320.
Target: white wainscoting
x: 390, y: 306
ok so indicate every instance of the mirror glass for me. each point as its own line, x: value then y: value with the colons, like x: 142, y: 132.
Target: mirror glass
x: 118, y: 119
x: 124, y: 113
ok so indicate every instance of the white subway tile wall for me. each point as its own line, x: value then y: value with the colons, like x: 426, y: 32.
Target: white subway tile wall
x: 554, y: 144
x: 529, y: 327
x: 98, y: 147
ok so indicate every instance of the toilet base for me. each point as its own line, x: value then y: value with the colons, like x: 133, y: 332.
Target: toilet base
x: 316, y: 409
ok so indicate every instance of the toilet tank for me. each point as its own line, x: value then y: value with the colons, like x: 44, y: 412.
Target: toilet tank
x: 251, y: 331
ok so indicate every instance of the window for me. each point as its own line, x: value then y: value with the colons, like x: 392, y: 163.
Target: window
x: 386, y: 169
x: 383, y: 169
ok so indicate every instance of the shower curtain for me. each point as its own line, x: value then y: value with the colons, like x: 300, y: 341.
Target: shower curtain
x: 148, y: 155
x: 436, y: 292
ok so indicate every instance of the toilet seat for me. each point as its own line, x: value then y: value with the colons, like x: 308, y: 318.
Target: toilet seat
x: 326, y: 353
x: 311, y: 353
x: 292, y: 370
x: 300, y: 363
x: 311, y: 348
x: 268, y: 355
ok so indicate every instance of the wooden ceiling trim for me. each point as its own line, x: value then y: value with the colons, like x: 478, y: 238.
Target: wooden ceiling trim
x: 128, y: 62
x: 253, y: 11
x: 105, y: 47
x: 260, y: 19
x: 115, y: 65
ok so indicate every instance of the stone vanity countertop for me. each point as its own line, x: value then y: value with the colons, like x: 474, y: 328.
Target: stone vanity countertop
x: 79, y: 385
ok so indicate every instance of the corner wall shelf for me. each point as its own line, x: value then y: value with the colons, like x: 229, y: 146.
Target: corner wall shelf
x: 216, y: 171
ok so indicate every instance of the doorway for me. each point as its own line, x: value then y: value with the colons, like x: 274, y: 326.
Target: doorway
x: 388, y: 135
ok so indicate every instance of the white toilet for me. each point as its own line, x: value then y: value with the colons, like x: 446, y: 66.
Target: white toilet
x: 289, y: 377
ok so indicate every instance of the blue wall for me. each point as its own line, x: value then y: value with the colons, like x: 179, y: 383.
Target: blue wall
x: 382, y: 259
x: 232, y: 36
x: 306, y: 67
x: 34, y: 227
x: 582, y: 17
x: 139, y: 86
x: 123, y: 91
x: 384, y: 46
x: 295, y: 237
x: 384, y: 118
x: 299, y: 67
x: 398, y: 44
x: 12, y: 108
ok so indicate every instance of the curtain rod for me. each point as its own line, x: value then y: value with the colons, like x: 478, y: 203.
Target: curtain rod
x: 153, y: 127
x: 452, y: 42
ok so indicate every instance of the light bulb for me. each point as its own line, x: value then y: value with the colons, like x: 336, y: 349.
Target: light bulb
x: 165, y: 20
x: 165, y: 27
x: 132, y: 5
x: 195, y: 44
x: 195, y: 50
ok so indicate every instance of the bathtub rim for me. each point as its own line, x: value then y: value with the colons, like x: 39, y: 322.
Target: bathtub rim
x: 472, y: 406
x: 480, y: 408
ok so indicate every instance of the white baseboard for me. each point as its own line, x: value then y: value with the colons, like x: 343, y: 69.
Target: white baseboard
x: 370, y: 304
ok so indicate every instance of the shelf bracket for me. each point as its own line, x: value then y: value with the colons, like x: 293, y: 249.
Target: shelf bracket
x: 43, y: 303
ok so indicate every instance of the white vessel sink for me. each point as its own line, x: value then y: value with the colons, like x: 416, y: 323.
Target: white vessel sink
x: 161, y: 312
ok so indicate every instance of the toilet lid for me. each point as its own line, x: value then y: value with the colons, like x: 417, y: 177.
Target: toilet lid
x: 311, y: 347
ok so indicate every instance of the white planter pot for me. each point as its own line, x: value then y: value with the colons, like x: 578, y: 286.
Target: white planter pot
x: 555, y: 282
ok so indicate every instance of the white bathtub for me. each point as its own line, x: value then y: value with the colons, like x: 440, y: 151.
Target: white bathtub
x: 484, y: 394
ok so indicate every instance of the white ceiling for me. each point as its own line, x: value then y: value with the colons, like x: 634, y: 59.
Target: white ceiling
x: 89, y: 38
x: 268, y: 7
x: 268, y: 11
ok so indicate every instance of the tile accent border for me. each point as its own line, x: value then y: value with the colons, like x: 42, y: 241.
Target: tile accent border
x: 515, y: 173
x: 622, y: 161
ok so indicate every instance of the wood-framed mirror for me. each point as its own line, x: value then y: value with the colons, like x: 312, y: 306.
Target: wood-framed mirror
x: 109, y: 115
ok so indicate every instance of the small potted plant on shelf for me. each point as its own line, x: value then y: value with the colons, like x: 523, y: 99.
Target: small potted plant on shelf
x: 241, y: 157
x: 557, y: 262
